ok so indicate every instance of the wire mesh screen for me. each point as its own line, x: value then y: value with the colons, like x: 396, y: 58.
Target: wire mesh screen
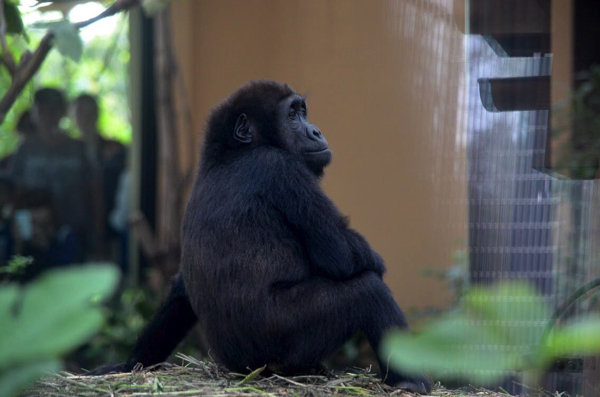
x: 511, y: 204
x: 526, y: 222
x: 577, y: 263
x: 485, y: 90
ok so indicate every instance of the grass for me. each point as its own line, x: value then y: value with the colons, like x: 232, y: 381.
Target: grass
x: 205, y: 378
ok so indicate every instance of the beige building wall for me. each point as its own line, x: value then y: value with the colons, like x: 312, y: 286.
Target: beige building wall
x: 385, y: 85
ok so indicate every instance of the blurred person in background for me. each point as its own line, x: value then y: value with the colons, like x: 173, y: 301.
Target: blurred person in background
x: 38, y: 233
x: 52, y: 160
x: 107, y: 157
x: 26, y: 127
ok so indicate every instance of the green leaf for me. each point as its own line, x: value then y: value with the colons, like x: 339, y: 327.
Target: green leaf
x: 15, y: 379
x: 513, y: 309
x: 12, y: 15
x: 496, y: 330
x: 66, y: 37
x: 8, y: 298
x: 580, y: 338
x: 54, y: 314
x: 16, y: 265
x: 82, y: 282
x: 451, y: 347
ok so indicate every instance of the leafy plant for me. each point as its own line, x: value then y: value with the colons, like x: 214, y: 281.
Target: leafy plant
x: 125, y: 319
x: 12, y: 15
x: 17, y: 68
x: 494, y: 330
x: 47, y: 318
x: 66, y: 37
x: 16, y: 265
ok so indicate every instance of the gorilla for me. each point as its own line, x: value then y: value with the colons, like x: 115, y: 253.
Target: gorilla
x: 270, y: 268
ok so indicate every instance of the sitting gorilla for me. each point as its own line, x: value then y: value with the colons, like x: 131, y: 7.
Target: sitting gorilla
x: 269, y: 266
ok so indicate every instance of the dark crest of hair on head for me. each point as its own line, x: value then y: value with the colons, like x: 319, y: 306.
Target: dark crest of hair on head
x: 259, y: 101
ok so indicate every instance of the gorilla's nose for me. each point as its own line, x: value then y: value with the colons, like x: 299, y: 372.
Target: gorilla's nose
x: 315, y: 133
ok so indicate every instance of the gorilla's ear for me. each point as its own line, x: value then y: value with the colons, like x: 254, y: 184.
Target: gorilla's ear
x: 243, y: 129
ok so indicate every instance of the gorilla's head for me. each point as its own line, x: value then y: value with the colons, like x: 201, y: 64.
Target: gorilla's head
x: 266, y: 113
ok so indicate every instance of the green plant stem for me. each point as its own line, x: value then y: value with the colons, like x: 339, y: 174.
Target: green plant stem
x: 558, y: 313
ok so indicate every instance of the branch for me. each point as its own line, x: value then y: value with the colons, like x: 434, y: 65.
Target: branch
x: 29, y: 66
x: 115, y: 8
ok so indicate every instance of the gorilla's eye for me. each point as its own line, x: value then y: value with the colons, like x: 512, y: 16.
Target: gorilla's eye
x: 292, y: 114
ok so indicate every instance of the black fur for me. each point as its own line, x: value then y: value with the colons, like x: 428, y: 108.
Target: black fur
x: 271, y: 268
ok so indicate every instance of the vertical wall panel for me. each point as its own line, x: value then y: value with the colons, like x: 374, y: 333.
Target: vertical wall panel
x: 384, y: 81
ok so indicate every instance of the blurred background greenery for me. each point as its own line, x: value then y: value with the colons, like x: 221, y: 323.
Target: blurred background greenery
x: 102, y: 71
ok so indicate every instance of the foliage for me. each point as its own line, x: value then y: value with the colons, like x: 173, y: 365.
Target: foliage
x: 494, y: 330
x: 582, y: 156
x: 12, y: 15
x: 101, y: 70
x: 16, y: 265
x: 17, y: 45
x: 66, y: 38
x: 41, y: 321
x: 125, y: 318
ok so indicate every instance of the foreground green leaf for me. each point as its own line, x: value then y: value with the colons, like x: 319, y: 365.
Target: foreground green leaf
x: 12, y: 15
x: 496, y: 329
x: 53, y: 314
x: 513, y: 309
x: 14, y: 380
x: 580, y: 338
x: 452, y: 347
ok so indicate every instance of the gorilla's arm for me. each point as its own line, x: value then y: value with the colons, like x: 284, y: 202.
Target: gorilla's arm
x: 164, y: 332
x: 363, y: 255
x: 334, y: 248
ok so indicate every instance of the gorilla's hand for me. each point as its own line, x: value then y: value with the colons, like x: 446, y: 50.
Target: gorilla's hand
x: 364, y: 257
x: 376, y: 263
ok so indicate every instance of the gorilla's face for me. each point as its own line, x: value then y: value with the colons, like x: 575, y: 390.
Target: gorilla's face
x: 282, y: 123
x: 302, y: 138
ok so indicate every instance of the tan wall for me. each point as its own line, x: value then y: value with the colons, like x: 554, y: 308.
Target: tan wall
x: 383, y: 79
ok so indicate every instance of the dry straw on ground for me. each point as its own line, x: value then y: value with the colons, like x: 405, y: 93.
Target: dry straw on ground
x: 204, y: 378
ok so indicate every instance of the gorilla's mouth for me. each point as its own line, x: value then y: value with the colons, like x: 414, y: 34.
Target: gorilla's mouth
x: 318, y: 159
x: 320, y: 151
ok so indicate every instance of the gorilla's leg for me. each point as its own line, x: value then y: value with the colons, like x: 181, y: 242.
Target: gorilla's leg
x: 169, y: 326
x: 322, y: 314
